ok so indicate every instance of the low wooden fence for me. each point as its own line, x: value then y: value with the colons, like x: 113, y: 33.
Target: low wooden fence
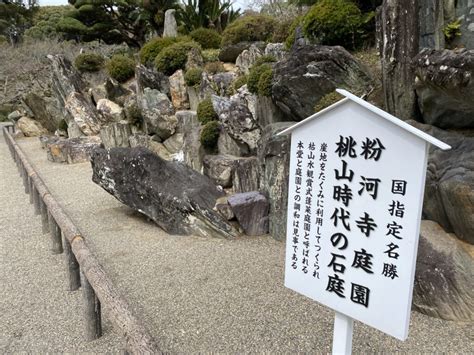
x: 84, y: 271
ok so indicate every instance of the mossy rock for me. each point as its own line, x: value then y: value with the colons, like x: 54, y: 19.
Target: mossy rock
x: 249, y: 28
x: 206, y: 112
x: 207, y: 38
x: 210, y: 136
x: 193, y: 77
x: 174, y: 57
x: 89, y: 62
x: 327, y: 100
x: 121, y: 68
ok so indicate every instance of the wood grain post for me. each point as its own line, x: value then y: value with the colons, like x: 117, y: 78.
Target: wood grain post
x: 44, y: 217
x: 74, y: 275
x: 32, y: 189
x: 36, y: 201
x: 26, y: 182
x: 56, y: 240
x: 92, y: 315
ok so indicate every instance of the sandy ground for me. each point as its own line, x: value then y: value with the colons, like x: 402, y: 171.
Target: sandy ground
x: 37, y: 312
x: 205, y: 294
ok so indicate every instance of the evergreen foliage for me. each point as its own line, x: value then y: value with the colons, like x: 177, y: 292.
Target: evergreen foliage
x: 205, y: 111
x: 89, y: 62
x: 210, y: 136
x: 210, y: 55
x: 214, y: 67
x: 154, y: 46
x: 193, y: 77
x: 249, y: 28
x: 206, y: 37
x: 254, y: 76
x: 45, y: 20
x: 121, y: 68
x: 174, y: 57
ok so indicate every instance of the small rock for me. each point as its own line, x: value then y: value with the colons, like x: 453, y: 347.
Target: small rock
x: 247, y: 58
x: 220, y: 168
x: 251, y: 210
x: 174, y: 144
x: 14, y: 116
x: 246, y: 175
x: 71, y: 150
x: 30, y: 127
x: 276, y: 50
x: 110, y: 110
x: 223, y: 82
x: 223, y: 208
x: 230, y: 53
x: 145, y: 141
x: 83, y: 113
x: 194, y: 59
x: 116, y: 134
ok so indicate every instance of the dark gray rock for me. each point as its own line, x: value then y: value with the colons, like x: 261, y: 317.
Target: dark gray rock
x: 267, y: 112
x: 83, y: 113
x: 276, y: 50
x: 251, y: 211
x: 444, y: 278
x: 226, y: 145
x: 71, y: 150
x: 220, y: 168
x: 174, y: 196
x: 151, y: 78
x: 115, y: 91
x: 237, y: 121
x: 230, y: 53
x: 145, y: 141
x: 432, y: 23
x: 246, y: 177
x: 222, y: 82
x: 44, y: 109
x: 158, y: 113
x: 444, y: 85
x: 398, y: 43
x: 274, y: 160
x: 464, y: 10
x: 312, y: 71
x: 174, y: 144
x: 449, y: 189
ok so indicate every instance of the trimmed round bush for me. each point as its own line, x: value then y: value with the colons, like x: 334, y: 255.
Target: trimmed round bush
x: 264, y: 86
x: 249, y: 28
x: 210, y: 55
x: 206, y: 37
x: 210, y: 135
x: 333, y: 22
x: 89, y: 62
x: 121, y: 68
x: 254, y: 76
x: 193, y: 77
x: 214, y: 67
x: 154, y: 46
x: 174, y: 57
x: 205, y: 111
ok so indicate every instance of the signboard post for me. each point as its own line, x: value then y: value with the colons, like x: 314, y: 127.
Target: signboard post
x: 355, y: 198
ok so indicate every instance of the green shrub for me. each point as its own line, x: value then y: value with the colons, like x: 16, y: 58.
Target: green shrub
x: 210, y: 55
x: 452, y: 30
x: 290, y: 39
x: 193, y: 77
x: 214, y: 67
x: 264, y: 86
x: 206, y: 37
x: 205, y: 111
x: 89, y: 62
x: 327, y: 100
x: 239, y: 82
x: 154, y: 46
x: 133, y: 114
x: 174, y: 57
x: 282, y: 30
x: 254, y: 76
x: 249, y: 28
x: 210, y: 136
x: 121, y: 68
x: 333, y: 22
x: 265, y: 59
x: 3, y: 40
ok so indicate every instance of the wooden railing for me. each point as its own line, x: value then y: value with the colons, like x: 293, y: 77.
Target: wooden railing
x: 84, y: 271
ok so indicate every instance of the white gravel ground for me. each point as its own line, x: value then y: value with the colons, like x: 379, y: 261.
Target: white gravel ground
x: 37, y: 312
x: 211, y: 295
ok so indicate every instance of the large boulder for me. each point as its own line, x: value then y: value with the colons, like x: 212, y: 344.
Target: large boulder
x: 151, y: 78
x: 179, y: 95
x: 158, y: 113
x: 274, y: 161
x: 246, y: 177
x: 444, y: 279
x: 310, y: 72
x: 84, y: 114
x: 237, y: 121
x: 117, y: 134
x: 190, y: 127
x: 45, y: 110
x: 175, y: 197
x: 220, y: 168
x: 145, y: 141
x: 398, y: 32
x: 229, y: 53
x: 449, y: 189
x: 444, y: 85
x: 110, y: 110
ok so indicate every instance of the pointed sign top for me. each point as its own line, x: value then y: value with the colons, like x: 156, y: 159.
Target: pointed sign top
x: 376, y: 110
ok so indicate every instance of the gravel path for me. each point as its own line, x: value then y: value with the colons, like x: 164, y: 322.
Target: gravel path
x: 37, y: 312
x: 213, y: 295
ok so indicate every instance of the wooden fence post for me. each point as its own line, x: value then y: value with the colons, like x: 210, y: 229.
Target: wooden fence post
x: 44, y: 217
x: 74, y: 275
x: 32, y: 189
x: 56, y: 240
x: 36, y: 201
x: 92, y: 315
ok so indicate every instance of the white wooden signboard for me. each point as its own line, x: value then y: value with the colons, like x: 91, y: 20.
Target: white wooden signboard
x: 356, y: 188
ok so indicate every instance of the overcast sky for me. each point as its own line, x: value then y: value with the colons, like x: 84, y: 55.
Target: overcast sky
x: 239, y: 3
